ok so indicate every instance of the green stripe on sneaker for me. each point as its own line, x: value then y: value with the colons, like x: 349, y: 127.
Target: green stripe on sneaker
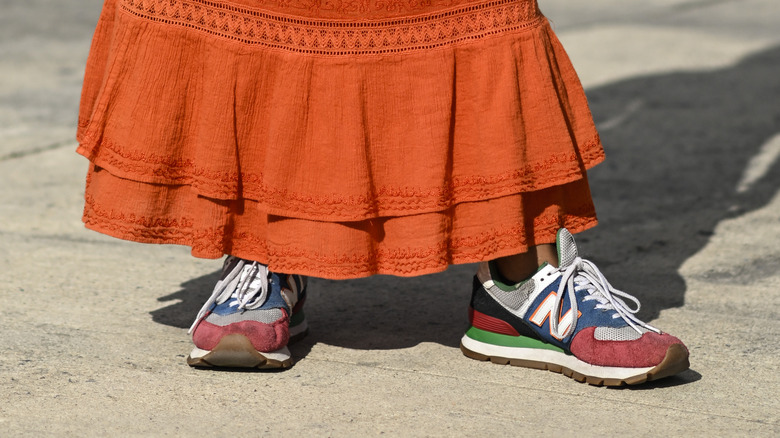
x: 508, y: 341
x: 297, y: 318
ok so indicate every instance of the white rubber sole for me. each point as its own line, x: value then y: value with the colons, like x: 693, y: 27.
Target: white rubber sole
x: 236, y: 351
x: 279, y: 355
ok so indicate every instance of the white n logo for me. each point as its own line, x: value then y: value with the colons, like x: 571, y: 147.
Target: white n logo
x: 545, y: 311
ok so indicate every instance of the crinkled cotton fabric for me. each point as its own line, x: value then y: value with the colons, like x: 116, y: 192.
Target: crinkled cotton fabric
x: 335, y: 139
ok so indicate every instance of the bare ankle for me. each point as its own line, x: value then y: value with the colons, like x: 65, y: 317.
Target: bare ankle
x: 518, y: 267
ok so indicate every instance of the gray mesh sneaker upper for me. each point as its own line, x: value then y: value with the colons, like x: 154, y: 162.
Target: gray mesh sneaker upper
x: 575, y: 276
x: 626, y: 333
x: 515, y: 299
x: 567, y: 248
x: 246, y: 283
x: 266, y: 316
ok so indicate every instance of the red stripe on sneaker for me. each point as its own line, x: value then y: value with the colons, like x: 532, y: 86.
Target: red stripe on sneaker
x: 298, y: 306
x: 490, y: 324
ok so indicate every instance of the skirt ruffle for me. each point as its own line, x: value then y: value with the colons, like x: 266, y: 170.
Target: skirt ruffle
x: 402, y: 245
x: 337, y: 154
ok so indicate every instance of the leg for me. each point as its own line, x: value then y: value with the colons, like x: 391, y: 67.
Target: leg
x: 518, y: 267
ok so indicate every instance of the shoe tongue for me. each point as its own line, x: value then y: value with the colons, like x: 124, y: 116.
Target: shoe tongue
x: 567, y: 248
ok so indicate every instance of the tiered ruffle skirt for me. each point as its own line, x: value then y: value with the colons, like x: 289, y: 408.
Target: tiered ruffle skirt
x: 336, y: 139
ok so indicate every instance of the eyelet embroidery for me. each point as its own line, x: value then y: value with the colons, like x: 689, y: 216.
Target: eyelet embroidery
x: 386, y: 200
x: 342, y: 37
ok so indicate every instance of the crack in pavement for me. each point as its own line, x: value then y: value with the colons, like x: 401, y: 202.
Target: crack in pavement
x: 700, y: 4
x: 36, y: 151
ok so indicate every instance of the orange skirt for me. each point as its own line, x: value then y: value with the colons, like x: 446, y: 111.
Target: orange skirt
x: 335, y: 139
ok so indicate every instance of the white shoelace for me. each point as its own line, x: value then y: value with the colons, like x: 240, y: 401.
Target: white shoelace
x: 247, y: 283
x: 584, y: 275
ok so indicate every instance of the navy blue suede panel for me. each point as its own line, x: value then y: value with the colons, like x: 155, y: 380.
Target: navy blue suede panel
x: 482, y: 302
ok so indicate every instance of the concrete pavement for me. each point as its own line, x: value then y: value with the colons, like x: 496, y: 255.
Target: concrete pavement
x: 686, y: 96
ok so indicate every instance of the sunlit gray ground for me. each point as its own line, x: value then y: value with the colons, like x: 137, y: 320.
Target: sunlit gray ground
x: 687, y: 97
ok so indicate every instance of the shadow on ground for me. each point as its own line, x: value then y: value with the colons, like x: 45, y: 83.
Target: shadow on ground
x: 673, y: 166
x: 380, y: 312
x: 677, y: 147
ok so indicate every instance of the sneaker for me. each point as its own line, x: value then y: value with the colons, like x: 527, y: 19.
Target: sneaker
x: 249, y: 319
x: 569, y: 320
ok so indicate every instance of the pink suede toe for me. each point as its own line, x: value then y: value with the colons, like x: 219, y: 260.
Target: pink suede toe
x: 264, y: 337
x: 647, y: 351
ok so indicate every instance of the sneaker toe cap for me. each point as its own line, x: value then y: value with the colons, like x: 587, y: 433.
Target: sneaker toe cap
x: 647, y: 351
x: 265, y: 337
